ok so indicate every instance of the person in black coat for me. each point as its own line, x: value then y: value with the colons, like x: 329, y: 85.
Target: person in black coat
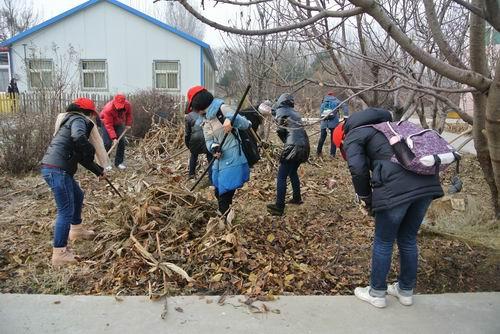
x: 69, y: 147
x: 195, y: 142
x: 398, y: 199
x: 295, y: 152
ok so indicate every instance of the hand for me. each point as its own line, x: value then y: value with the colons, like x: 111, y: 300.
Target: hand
x: 128, y: 127
x: 108, y: 169
x: 115, y: 142
x: 216, y: 151
x: 227, y: 126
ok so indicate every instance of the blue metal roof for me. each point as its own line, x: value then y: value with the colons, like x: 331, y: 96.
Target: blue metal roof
x: 131, y: 10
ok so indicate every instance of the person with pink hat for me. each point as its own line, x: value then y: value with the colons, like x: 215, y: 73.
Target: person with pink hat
x: 116, y: 116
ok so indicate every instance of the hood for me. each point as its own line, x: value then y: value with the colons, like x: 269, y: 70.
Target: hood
x: 367, y: 116
x: 285, y: 100
x: 330, y: 98
x: 213, y: 108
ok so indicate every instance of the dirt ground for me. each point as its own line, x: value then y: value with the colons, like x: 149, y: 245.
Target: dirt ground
x: 179, y: 246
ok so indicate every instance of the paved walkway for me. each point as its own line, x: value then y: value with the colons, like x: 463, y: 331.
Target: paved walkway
x: 447, y: 313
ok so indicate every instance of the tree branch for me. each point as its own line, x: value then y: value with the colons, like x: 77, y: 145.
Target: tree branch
x: 310, y: 21
x: 470, y: 78
x: 439, y: 38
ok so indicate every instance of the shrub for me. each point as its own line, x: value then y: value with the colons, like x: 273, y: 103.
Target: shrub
x: 24, y: 137
x: 150, y: 106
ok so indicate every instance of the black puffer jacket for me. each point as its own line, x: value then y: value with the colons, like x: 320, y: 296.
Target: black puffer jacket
x: 290, y: 131
x: 368, y: 150
x: 193, y: 134
x: 71, y: 146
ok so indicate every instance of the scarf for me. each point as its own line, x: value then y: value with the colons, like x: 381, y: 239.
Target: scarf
x: 101, y: 156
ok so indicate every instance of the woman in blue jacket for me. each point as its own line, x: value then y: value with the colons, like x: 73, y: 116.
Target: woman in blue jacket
x: 230, y: 170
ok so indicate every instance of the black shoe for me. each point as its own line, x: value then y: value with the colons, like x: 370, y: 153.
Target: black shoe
x: 296, y: 201
x: 274, y: 210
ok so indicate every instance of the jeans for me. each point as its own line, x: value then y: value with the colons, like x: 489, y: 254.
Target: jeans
x: 69, y: 202
x: 120, y: 150
x: 193, y: 161
x: 287, y: 169
x: 225, y: 200
x: 401, y: 224
x: 322, y: 137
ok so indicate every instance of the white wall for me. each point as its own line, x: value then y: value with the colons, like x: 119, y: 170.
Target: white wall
x: 128, y: 43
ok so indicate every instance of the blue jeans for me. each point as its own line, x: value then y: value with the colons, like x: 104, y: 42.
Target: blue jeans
x: 401, y: 224
x: 193, y: 161
x: 69, y: 202
x: 287, y: 169
x: 322, y: 138
x: 120, y: 149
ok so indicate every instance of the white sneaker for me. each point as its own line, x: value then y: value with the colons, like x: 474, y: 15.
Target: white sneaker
x: 393, y: 290
x: 121, y: 166
x: 364, y: 294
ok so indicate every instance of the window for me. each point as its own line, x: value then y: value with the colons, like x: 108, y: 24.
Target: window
x: 40, y: 73
x: 209, y: 77
x: 4, y: 71
x: 166, y: 75
x: 94, y: 74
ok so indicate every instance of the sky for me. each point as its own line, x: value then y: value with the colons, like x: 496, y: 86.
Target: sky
x: 221, y: 13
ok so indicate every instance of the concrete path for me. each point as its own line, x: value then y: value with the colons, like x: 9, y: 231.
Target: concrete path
x: 447, y: 313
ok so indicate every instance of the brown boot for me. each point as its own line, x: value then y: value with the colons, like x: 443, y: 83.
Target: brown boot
x: 77, y: 232
x: 62, y: 257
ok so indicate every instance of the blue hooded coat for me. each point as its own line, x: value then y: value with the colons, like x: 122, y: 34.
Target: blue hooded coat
x: 330, y: 102
x: 231, y: 171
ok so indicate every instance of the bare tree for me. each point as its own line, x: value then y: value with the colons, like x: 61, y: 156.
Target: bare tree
x: 16, y: 16
x: 431, y: 65
x: 175, y: 15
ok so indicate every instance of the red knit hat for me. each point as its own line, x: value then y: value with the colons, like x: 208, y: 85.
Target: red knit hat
x: 85, y: 103
x: 119, y: 101
x: 190, y: 95
x: 338, y: 138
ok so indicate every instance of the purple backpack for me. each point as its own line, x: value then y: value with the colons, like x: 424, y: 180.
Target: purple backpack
x: 422, y: 151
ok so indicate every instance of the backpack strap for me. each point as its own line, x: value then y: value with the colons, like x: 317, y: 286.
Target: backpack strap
x: 437, y: 160
x: 220, y: 116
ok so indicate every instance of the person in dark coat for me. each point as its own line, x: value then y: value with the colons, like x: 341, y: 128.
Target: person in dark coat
x: 295, y: 152
x: 195, y: 142
x: 76, y: 141
x: 12, y: 88
x: 398, y: 199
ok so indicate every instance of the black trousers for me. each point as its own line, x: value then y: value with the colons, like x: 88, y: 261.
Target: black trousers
x: 225, y: 200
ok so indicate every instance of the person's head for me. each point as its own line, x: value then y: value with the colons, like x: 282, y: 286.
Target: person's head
x: 338, y: 138
x: 119, y: 101
x: 83, y: 105
x: 13, y: 81
x: 286, y: 100
x: 199, y: 99
x: 265, y: 108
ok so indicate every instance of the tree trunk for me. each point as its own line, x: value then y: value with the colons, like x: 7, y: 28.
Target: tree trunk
x: 478, y: 65
x: 493, y: 131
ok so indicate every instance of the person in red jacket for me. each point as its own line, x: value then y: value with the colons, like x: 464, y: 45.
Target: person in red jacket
x: 116, y: 116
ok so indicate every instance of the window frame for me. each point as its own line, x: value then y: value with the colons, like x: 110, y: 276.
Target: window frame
x: 7, y: 67
x: 30, y: 71
x: 105, y: 71
x: 178, y: 72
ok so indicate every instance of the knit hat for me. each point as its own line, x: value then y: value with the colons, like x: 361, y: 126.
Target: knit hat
x: 119, y: 101
x: 201, y: 100
x: 82, y: 104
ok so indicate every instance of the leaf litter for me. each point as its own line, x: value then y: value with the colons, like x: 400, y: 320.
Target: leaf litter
x: 163, y: 240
